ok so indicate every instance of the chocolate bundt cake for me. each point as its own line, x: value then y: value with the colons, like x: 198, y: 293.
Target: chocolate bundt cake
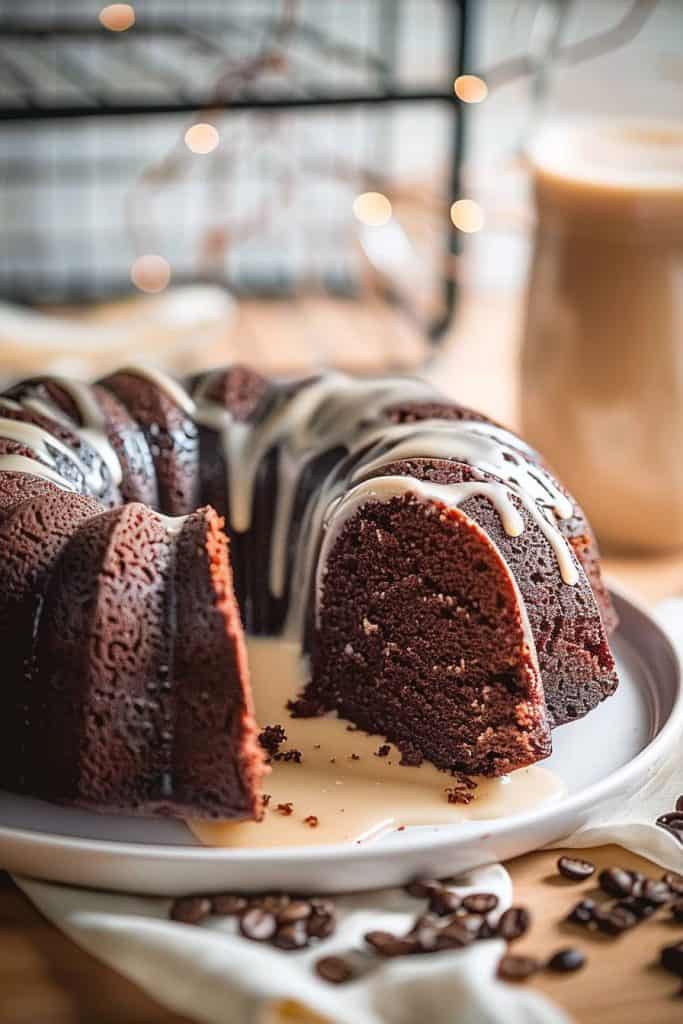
x: 444, y: 587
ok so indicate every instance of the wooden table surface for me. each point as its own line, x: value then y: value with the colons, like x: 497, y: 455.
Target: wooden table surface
x: 46, y: 979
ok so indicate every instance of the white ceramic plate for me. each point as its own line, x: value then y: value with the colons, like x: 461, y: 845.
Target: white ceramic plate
x: 600, y: 758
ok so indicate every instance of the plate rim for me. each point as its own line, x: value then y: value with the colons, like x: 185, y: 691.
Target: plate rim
x: 489, y: 829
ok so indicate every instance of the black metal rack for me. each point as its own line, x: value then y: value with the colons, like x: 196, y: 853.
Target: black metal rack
x: 59, y: 69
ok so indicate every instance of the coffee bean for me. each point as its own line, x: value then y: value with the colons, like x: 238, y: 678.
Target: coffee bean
x: 228, y: 904
x: 296, y: 910
x: 480, y: 902
x: 386, y: 944
x: 190, y: 909
x: 616, y: 882
x: 320, y: 926
x: 514, y: 923
x: 637, y: 906
x: 614, y: 920
x: 454, y: 935
x: 444, y: 902
x: 258, y: 924
x: 671, y: 957
x: 517, y: 968
x: 566, y: 960
x: 273, y: 902
x: 422, y: 888
x: 321, y: 905
x: 424, y: 931
x: 575, y: 869
x: 677, y: 911
x: 673, y: 822
x: 657, y: 893
x: 674, y: 881
x: 582, y: 913
x: 333, y: 969
x: 291, y: 936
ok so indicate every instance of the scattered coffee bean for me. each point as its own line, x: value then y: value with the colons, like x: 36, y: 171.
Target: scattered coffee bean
x: 616, y: 882
x: 443, y: 902
x: 190, y: 909
x: 296, y: 910
x: 514, y: 923
x: 258, y: 924
x: 422, y: 888
x: 322, y: 905
x: 455, y: 934
x: 275, y: 902
x: 424, y: 932
x: 480, y: 902
x: 582, y: 913
x: 677, y: 911
x: 386, y: 944
x: 671, y: 957
x: 674, y: 881
x: 637, y: 906
x: 614, y: 920
x: 575, y: 869
x: 292, y: 936
x: 566, y: 960
x: 334, y: 969
x: 654, y: 892
x: 672, y: 822
x: 228, y: 904
x: 517, y: 968
x: 320, y: 926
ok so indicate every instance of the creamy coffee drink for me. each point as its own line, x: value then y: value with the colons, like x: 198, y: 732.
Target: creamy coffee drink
x: 602, y: 364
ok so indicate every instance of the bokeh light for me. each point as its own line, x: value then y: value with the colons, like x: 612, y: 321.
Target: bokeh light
x: 467, y: 215
x: 470, y: 88
x: 372, y: 208
x: 117, y: 17
x: 202, y: 138
x: 150, y: 273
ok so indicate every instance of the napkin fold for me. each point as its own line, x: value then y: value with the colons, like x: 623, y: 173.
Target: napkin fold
x: 212, y: 975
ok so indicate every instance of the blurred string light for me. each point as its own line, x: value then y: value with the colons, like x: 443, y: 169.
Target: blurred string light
x: 117, y: 17
x: 470, y: 88
x: 467, y: 215
x: 150, y: 273
x: 372, y: 208
x: 202, y: 138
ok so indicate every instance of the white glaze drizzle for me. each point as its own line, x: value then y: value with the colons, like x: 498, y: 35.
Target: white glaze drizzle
x: 173, y: 524
x: 337, y: 411
x: 32, y: 467
x: 45, y: 445
x: 173, y: 389
x: 92, y: 428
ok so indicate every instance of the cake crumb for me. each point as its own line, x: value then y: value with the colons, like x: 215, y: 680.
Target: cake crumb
x: 462, y: 791
x: 285, y: 809
x: 288, y: 755
x: 311, y: 821
x: 271, y: 738
x: 355, y: 757
x: 383, y: 750
x: 333, y: 760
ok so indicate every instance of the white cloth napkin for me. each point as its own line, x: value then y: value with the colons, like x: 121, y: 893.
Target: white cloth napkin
x: 214, y: 976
